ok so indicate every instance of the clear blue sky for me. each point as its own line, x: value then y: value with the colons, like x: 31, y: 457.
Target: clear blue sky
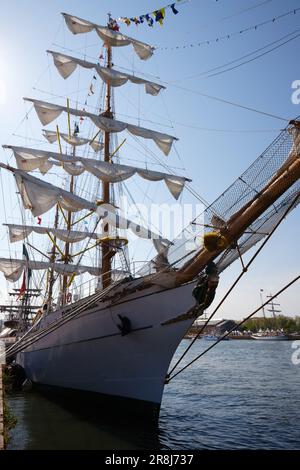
x: 212, y: 158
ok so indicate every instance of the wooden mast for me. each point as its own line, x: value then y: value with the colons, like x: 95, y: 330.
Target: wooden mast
x: 52, y: 259
x: 67, y: 245
x: 67, y: 256
x: 106, y: 253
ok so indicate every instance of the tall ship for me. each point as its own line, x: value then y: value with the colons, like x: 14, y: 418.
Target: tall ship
x: 273, y: 334
x: 108, y: 325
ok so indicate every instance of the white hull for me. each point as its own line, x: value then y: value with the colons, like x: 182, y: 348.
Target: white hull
x: 270, y: 338
x: 88, y: 353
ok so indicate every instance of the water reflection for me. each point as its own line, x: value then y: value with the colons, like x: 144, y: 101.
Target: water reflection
x: 47, y: 422
x: 243, y: 394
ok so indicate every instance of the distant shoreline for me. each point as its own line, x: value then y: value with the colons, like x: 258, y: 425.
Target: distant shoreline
x: 281, y: 324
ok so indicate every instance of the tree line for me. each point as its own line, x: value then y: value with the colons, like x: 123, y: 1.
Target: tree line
x: 288, y: 324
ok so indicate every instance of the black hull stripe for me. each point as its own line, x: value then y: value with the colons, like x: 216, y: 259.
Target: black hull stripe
x: 51, y: 328
x: 83, y: 340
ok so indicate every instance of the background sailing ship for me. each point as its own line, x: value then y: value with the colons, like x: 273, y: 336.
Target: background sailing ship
x: 116, y: 335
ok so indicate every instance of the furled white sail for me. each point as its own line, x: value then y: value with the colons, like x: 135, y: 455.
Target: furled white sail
x: 112, y: 38
x: 31, y: 159
x: 39, y: 197
x: 66, y: 65
x: 13, y: 268
x: 74, y: 140
x: 71, y: 168
x: 47, y: 112
x: 20, y: 232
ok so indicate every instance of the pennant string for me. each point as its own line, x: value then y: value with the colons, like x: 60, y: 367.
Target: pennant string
x: 232, y: 34
x: 158, y: 15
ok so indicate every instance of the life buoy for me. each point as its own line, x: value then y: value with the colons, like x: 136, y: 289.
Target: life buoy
x: 69, y: 297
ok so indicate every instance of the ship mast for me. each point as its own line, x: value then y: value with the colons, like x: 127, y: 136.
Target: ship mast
x: 105, y: 171
x: 52, y: 259
x: 106, y: 253
x: 277, y: 178
x: 67, y: 256
x: 273, y: 306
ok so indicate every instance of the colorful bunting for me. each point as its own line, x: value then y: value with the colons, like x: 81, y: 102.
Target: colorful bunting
x: 160, y: 15
x: 174, y: 9
x: 156, y: 16
x: 149, y: 20
x: 112, y: 24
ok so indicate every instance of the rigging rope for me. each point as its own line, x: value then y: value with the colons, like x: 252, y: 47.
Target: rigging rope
x: 255, y: 58
x: 214, y: 69
x: 253, y: 7
x: 231, y: 103
x: 234, y: 328
x: 245, y: 269
x: 229, y: 35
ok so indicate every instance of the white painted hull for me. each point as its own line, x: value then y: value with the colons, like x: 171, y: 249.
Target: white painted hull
x: 88, y: 353
x: 270, y: 338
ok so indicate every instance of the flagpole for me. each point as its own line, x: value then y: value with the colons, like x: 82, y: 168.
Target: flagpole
x: 262, y: 303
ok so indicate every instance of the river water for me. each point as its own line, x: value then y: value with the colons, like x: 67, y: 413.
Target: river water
x: 240, y: 395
